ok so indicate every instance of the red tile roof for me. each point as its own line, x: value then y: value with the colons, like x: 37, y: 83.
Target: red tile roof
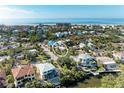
x: 22, y: 71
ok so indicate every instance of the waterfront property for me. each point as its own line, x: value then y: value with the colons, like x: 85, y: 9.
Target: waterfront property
x: 109, y: 64
x: 77, y: 51
x: 86, y: 61
x: 48, y: 72
x: 23, y: 74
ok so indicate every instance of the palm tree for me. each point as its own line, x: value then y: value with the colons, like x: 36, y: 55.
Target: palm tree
x: 49, y: 85
x: 10, y: 79
x: 27, y: 85
x: 36, y: 84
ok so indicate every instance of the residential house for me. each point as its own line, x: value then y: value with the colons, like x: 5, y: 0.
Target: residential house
x: 48, y: 72
x: 119, y: 56
x: 13, y: 39
x: 109, y: 64
x: 33, y: 52
x: 66, y: 33
x: 4, y: 58
x: 13, y: 46
x: 79, y: 33
x: 23, y: 74
x: 92, y: 32
x: 19, y: 56
x: 16, y: 32
x: 122, y: 31
x: 31, y: 32
x: 62, y: 34
x: 27, y: 45
x: 82, y: 45
x: 84, y: 32
x: 52, y: 43
x: 91, y: 46
x: 88, y: 61
x: 59, y: 35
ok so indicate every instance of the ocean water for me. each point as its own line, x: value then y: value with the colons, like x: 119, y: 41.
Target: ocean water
x: 70, y: 20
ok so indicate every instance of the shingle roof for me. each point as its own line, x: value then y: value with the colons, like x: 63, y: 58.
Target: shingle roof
x: 22, y: 71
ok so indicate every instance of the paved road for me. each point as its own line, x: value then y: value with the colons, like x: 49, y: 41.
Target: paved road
x: 52, y: 55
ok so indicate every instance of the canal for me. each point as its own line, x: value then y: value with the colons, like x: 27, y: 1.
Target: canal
x: 93, y: 82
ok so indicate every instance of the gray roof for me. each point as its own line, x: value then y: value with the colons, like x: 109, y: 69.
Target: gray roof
x: 45, y: 67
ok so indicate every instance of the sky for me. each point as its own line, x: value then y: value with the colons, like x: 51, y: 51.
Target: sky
x: 69, y: 11
x: 32, y: 13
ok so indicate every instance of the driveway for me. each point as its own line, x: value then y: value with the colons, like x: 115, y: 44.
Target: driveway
x: 47, y: 51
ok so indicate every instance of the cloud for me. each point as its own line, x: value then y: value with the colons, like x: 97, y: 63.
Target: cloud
x: 9, y: 13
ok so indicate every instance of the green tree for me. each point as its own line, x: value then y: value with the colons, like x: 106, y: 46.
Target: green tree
x: 8, y: 68
x: 120, y: 81
x: 49, y: 85
x: 66, y: 61
x: 27, y: 85
x: 11, y: 85
x: 10, y: 79
x: 112, y: 81
x: 36, y: 84
x: 23, y: 34
x: 71, y: 76
x: 34, y: 38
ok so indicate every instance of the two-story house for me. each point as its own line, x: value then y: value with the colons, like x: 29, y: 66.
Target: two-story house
x: 48, y: 72
x: 23, y: 74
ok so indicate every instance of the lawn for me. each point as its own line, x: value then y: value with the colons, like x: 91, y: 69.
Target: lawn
x: 42, y: 57
x: 24, y: 62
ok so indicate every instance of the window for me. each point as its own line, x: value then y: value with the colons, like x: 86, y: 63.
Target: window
x: 32, y: 74
x: 19, y: 82
x: 18, y: 79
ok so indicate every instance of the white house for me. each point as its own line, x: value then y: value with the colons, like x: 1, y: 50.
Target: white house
x: 33, y: 52
x: 3, y: 58
x: 86, y: 60
x: 48, y: 72
x: 109, y: 64
x: 119, y: 56
x: 82, y: 45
